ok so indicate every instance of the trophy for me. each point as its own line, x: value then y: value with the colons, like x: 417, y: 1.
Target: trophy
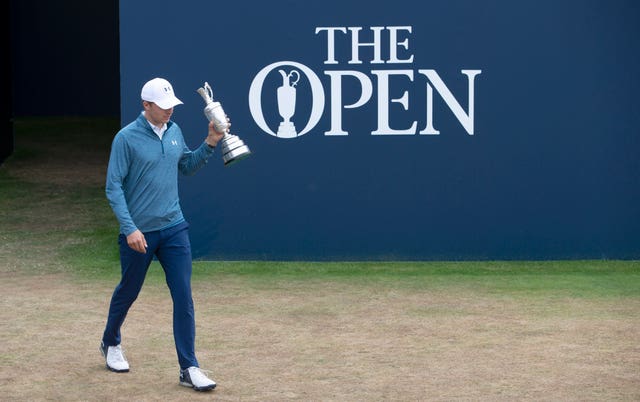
x: 287, y: 103
x: 233, y: 149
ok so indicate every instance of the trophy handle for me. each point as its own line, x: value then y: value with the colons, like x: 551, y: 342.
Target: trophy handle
x: 208, y: 90
x: 293, y: 84
x: 206, y: 93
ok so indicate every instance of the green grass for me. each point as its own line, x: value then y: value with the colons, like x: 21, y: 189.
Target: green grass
x: 561, y: 278
x: 52, y: 205
x: 67, y: 226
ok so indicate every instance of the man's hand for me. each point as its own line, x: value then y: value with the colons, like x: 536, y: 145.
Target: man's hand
x: 214, y: 136
x: 137, y: 242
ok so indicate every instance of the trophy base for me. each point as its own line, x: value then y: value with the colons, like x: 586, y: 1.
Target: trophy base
x: 287, y: 130
x: 236, y: 155
x: 233, y: 149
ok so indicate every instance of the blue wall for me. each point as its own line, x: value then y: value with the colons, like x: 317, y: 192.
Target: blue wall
x: 549, y: 169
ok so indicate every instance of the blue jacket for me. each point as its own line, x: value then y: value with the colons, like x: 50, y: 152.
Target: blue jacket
x: 142, y: 177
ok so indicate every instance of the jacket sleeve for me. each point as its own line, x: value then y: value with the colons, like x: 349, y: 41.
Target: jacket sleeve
x: 116, y: 175
x: 192, y: 161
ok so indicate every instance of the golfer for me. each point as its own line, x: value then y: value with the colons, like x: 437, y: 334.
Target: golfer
x: 142, y: 188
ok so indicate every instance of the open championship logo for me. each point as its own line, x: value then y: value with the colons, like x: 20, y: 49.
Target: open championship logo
x: 286, y: 96
x: 290, y: 73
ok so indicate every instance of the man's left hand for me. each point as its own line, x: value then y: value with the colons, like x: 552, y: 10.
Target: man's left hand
x: 214, y: 136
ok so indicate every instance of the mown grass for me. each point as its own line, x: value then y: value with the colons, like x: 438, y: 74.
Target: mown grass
x: 61, y: 222
x: 523, y: 278
x: 52, y: 204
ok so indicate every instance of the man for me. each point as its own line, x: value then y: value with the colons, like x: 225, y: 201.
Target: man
x: 142, y: 188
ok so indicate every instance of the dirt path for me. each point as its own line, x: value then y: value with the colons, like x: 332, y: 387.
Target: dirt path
x: 320, y: 341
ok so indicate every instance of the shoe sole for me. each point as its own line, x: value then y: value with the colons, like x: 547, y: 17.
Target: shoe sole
x: 116, y: 370
x: 200, y: 389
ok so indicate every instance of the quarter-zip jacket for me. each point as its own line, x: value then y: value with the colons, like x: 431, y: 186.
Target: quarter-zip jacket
x: 142, y: 176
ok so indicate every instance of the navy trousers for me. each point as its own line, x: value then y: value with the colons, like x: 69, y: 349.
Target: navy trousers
x: 173, y: 249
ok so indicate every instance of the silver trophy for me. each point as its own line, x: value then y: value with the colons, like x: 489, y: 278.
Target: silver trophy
x: 232, y: 147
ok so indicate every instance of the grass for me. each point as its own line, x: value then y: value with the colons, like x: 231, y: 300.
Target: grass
x: 52, y: 204
x: 584, y: 279
x: 277, y: 331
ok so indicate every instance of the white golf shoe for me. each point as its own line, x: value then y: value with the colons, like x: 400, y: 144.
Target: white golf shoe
x: 194, y: 378
x: 114, y: 358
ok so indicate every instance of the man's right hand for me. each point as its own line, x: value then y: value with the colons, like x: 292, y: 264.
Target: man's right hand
x: 137, y: 242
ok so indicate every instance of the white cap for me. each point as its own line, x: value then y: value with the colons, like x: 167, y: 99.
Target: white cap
x: 160, y: 92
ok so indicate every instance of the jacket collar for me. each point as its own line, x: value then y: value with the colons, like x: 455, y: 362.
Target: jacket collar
x: 146, y: 126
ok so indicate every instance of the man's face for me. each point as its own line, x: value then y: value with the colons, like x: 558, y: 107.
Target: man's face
x: 155, y: 114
